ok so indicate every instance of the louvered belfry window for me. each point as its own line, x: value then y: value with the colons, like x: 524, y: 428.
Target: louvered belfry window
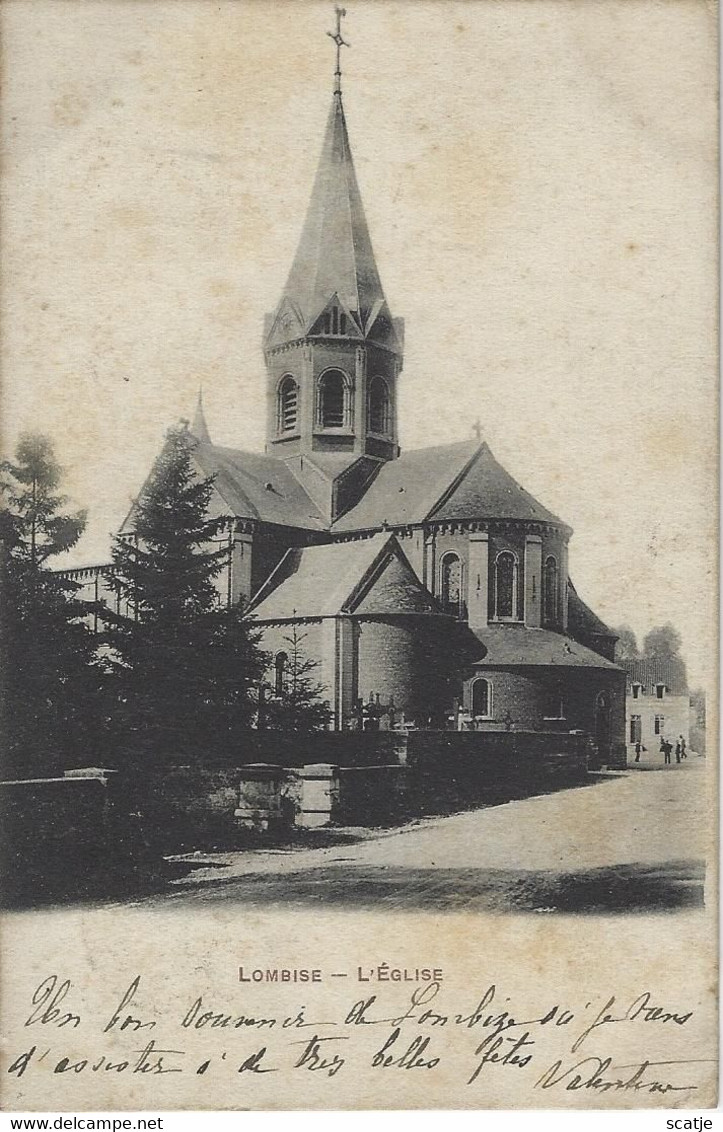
x: 379, y: 406
x: 332, y: 395
x: 288, y: 405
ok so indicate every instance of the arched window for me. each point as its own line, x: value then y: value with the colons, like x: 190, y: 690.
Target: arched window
x: 334, y: 400
x: 550, y: 591
x: 379, y: 406
x: 506, y: 585
x: 280, y: 666
x: 482, y: 698
x: 451, y: 584
x: 288, y: 405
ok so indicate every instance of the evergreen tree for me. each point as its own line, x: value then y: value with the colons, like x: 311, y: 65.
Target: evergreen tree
x: 297, y: 704
x: 49, y: 679
x: 183, y: 668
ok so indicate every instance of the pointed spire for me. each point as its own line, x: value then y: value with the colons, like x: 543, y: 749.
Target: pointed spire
x: 335, y: 254
x: 199, y: 428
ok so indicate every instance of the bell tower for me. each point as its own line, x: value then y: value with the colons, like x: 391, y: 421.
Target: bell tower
x: 333, y: 351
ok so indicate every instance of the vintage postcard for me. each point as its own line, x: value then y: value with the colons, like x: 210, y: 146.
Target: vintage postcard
x: 359, y: 560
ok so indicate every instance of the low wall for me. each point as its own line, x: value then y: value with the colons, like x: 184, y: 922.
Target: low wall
x: 188, y: 807
x: 54, y: 830
x: 450, y: 768
x: 373, y: 795
x: 342, y: 748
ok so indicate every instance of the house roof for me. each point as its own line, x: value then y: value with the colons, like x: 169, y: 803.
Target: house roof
x: 520, y: 645
x: 335, y: 255
x: 669, y: 671
x: 581, y: 618
x: 371, y: 576
x: 453, y: 481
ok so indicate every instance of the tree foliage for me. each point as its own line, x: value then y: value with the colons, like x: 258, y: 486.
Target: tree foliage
x: 184, y: 665
x: 49, y: 678
x: 662, y: 642
x: 297, y: 703
x: 626, y: 647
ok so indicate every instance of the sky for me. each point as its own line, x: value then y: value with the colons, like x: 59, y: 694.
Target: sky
x: 539, y: 179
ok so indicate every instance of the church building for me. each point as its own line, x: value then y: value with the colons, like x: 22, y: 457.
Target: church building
x: 426, y: 579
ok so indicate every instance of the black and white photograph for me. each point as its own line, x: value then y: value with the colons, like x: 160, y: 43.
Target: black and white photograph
x: 359, y: 554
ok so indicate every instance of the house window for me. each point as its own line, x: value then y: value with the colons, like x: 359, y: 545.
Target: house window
x: 288, y: 405
x: 482, y: 698
x: 333, y: 400
x: 660, y: 691
x: 636, y: 729
x: 554, y: 707
x: 379, y: 406
x: 636, y: 691
x: 659, y: 725
x: 451, y: 584
x: 281, y: 665
x: 506, y: 585
x: 550, y: 591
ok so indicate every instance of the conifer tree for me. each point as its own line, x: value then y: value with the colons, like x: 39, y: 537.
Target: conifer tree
x: 184, y: 667
x: 298, y: 703
x: 49, y: 677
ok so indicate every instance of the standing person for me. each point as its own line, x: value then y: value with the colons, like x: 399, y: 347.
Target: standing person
x: 677, y: 751
x: 683, y: 745
x: 666, y: 749
x: 638, y: 748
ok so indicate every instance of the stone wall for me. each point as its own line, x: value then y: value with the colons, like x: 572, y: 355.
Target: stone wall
x: 398, y: 775
x: 57, y: 835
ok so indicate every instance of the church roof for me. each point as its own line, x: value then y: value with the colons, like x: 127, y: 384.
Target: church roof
x: 581, y: 618
x: 520, y: 645
x: 252, y: 486
x: 335, y: 253
x: 453, y: 481
x: 371, y: 576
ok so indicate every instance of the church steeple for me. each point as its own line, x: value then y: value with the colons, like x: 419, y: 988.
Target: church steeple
x: 199, y: 428
x: 335, y: 255
x: 333, y: 350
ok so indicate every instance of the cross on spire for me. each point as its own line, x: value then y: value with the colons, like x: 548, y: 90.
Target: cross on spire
x: 477, y: 429
x: 340, y: 42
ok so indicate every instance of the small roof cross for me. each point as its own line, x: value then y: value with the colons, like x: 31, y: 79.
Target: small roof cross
x: 340, y: 42
x: 477, y: 429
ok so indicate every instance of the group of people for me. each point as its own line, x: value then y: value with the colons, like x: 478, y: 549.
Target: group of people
x: 666, y: 749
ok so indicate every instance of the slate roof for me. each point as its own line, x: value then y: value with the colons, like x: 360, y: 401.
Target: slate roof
x: 581, y: 618
x: 371, y: 575
x: 252, y: 486
x: 453, y: 481
x: 659, y: 670
x: 520, y: 645
x: 335, y: 253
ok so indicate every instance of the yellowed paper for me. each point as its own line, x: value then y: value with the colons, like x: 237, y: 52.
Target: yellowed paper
x: 540, y: 184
